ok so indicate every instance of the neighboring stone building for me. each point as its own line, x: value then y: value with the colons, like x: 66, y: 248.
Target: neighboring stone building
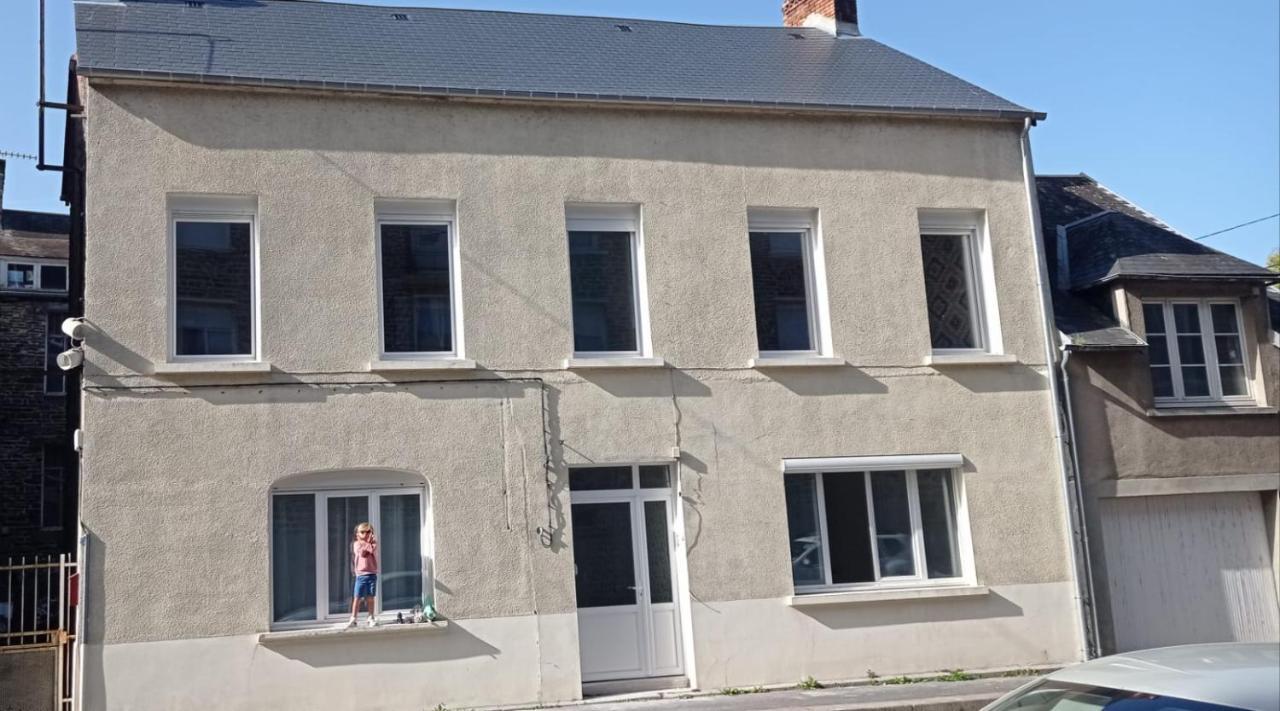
x: 1173, y: 371
x: 658, y: 354
x: 36, y: 463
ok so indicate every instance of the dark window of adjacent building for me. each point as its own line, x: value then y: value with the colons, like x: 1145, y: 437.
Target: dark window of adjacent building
x: 781, y: 285
x: 53, y: 277
x: 34, y: 276
x: 950, y: 291
x: 602, y: 277
x: 213, y: 288
x: 20, y: 276
x: 52, y: 481
x: 417, y: 288
x: 55, y: 380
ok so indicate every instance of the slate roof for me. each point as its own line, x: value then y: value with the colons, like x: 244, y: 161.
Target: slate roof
x: 1124, y: 241
x: 440, y: 52
x: 1087, y: 327
x: 1116, y: 245
x: 37, y: 235
x: 1110, y: 238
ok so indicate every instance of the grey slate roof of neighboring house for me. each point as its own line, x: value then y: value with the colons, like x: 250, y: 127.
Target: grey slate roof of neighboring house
x: 1111, y: 238
x: 35, y: 235
x: 1124, y: 241
x: 1085, y: 326
x: 1116, y: 245
x: 439, y: 52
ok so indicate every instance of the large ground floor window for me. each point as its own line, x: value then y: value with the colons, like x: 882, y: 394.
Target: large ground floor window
x: 311, y: 559
x: 852, y: 529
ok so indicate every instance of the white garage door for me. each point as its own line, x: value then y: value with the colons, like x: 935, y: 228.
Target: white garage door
x: 1184, y: 569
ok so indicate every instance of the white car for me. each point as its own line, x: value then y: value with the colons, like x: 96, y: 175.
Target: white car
x: 1198, y: 677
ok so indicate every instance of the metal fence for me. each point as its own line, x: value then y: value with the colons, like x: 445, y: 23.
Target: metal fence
x: 39, y: 601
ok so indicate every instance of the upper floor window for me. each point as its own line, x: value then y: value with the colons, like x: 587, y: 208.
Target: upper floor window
x: 959, y: 290
x: 418, y: 279
x: 34, y: 275
x: 879, y: 526
x: 1196, y: 351
x: 313, y: 520
x: 786, y: 280
x: 213, y: 278
x: 606, y: 275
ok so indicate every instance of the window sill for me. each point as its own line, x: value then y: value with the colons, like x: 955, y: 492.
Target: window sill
x: 409, y: 365
x: 945, y: 360
x: 323, y: 634
x: 198, y: 367
x: 1182, y: 411
x: 853, y: 597
x: 796, y: 361
x: 613, y: 362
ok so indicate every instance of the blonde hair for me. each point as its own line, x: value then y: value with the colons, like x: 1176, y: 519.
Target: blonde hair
x: 363, y: 525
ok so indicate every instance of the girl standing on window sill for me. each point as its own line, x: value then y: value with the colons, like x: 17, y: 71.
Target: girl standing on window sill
x: 364, y: 564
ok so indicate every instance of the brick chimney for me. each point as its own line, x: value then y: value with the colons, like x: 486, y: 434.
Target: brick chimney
x: 836, y: 17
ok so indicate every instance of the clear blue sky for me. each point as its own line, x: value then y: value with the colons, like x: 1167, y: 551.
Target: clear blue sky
x: 1174, y: 104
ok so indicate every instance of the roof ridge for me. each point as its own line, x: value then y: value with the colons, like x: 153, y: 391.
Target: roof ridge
x: 492, y: 11
x: 1138, y: 209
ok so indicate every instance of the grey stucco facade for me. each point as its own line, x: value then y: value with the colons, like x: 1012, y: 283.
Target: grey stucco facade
x: 1130, y: 449
x: 1178, y: 477
x: 179, y: 467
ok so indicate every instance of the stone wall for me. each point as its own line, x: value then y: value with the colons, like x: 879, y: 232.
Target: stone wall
x: 30, y: 422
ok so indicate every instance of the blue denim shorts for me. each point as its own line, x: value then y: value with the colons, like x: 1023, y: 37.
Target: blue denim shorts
x: 366, y: 585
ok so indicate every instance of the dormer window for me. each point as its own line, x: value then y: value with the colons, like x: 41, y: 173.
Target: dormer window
x: 1196, y: 352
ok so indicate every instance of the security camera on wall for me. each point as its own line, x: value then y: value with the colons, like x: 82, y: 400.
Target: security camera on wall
x: 75, y: 328
x: 70, y: 359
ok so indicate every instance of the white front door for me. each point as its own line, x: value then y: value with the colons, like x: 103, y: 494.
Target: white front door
x: 624, y: 553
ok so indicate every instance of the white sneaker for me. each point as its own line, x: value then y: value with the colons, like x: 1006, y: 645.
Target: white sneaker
x: 350, y: 624
x: 373, y: 622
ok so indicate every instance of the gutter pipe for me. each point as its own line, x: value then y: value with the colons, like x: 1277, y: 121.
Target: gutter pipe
x: 1081, y: 578
x: 1083, y: 532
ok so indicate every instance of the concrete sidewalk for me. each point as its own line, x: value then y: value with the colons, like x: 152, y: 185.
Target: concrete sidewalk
x: 920, y: 696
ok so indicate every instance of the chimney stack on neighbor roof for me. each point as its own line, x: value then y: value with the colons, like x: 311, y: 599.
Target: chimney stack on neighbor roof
x: 836, y: 17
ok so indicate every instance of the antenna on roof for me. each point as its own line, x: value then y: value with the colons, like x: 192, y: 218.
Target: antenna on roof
x: 42, y: 105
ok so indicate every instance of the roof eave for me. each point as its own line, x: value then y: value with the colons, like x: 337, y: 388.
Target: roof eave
x: 1242, y: 277
x: 454, y: 93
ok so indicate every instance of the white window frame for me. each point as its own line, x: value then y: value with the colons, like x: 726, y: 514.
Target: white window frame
x: 911, y: 465
x: 211, y: 208
x: 37, y: 274
x: 807, y: 222
x: 66, y: 340
x: 614, y: 217
x: 424, y: 213
x: 1207, y: 334
x: 970, y: 226
x: 62, y: 490
x: 321, y: 496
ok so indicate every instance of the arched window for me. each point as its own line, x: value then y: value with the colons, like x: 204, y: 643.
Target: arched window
x: 313, y: 519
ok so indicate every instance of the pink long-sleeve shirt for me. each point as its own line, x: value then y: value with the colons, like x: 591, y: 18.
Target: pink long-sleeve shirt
x: 365, y: 556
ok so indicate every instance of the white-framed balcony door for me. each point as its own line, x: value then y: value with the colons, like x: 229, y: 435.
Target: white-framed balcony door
x: 628, y: 616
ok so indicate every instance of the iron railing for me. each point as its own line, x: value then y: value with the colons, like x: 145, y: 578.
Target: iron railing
x: 38, y: 607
